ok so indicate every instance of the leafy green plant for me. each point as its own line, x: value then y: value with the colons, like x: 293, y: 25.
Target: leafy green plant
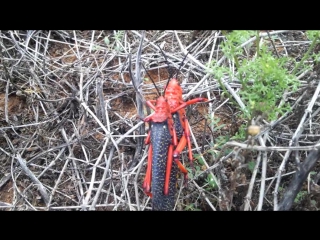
x: 118, y: 36
x: 199, y: 159
x: 264, y: 81
x: 115, y: 44
x: 106, y: 40
x: 191, y: 207
x: 300, y: 196
x: 314, y: 36
x: 197, y: 171
x: 210, y: 180
x: 231, y: 47
x: 241, y: 134
x: 251, y: 165
x: 264, y: 78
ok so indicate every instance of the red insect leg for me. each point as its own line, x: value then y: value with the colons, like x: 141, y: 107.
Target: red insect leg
x: 187, y: 135
x: 172, y: 131
x: 151, y: 104
x: 148, y: 138
x: 185, y: 139
x: 147, y: 180
x: 192, y: 101
x: 176, y: 154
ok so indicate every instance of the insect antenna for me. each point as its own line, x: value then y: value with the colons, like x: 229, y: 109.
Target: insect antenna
x: 152, y: 80
x: 178, y: 70
x: 166, y: 60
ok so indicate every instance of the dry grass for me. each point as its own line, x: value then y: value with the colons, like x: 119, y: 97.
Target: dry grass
x: 69, y: 129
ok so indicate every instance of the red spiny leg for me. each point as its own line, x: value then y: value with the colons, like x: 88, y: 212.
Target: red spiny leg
x: 187, y: 135
x: 180, y: 147
x: 173, y: 132
x: 182, y: 168
x: 176, y: 154
x: 175, y: 139
x: 185, y: 139
x: 192, y: 101
x: 151, y: 104
x: 148, y: 138
x: 168, y: 170
x: 147, y: 180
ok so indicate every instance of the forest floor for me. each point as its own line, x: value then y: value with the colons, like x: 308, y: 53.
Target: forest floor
x: 70, y: 132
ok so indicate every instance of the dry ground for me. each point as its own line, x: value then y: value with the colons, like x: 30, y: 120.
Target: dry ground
x: 70, y: 132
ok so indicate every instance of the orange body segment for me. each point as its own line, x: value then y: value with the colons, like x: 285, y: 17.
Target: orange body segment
x: 147, y: 180
x: 168, y: 170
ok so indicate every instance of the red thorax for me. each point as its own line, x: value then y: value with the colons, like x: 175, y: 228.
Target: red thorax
x: 162, y: 111
x: 174, y: 93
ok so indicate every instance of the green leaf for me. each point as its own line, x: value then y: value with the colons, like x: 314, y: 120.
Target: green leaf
x: 219, y: 127
x: 251, y: 165
x: 210, y: 180
x: 106, y: 41
x: 313, y: 34
x: 300, y: 196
